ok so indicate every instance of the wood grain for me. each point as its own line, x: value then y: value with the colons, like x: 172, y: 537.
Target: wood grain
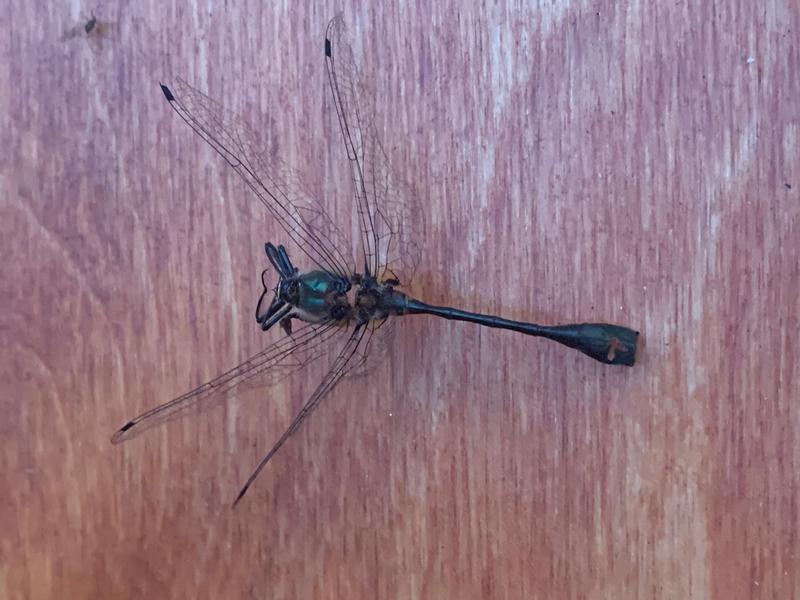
x: 600, y: 161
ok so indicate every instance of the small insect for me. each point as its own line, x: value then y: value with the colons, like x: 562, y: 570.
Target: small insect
x: 95, y: 31
x: 89, y: 25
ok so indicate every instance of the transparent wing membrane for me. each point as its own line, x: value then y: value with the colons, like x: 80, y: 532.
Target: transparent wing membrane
x: 273, y: 182
x: 344, y: 362
x: 388, y: 215
x: 274, y: 363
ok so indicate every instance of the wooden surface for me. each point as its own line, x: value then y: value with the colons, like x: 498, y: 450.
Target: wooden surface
x: 635, y: 163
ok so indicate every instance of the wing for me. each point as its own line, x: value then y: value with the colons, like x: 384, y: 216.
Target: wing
x: 348, y: 358
x: 281, y: 359
x: 388, y: 216
x: 273, y: 182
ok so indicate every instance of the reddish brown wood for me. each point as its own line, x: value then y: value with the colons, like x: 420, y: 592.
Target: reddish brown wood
x: 604, y: 161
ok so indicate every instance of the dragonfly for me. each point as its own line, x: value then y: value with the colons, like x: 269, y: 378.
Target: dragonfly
x: 327, y: 306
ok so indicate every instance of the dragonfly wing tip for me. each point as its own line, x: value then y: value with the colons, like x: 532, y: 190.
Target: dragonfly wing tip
x: 239, y: 496
x: 167, y: 93
x: 119, y: 436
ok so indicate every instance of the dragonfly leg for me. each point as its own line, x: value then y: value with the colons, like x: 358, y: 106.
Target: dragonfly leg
x: 286, y: 325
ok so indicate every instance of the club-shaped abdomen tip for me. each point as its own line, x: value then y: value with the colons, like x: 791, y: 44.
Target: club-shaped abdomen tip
x: 624, y: 347
x: 167, y: 93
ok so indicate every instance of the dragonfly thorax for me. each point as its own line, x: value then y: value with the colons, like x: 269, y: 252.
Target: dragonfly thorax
x: 317, y: 296
x: 376, y: 300
x: 320, y: 296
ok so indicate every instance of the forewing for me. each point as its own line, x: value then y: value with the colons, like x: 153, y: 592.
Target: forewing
x: 388, y: 214
x: 275, y: 184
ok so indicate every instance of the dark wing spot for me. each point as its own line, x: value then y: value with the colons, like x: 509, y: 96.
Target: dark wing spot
x: 167, y: 93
